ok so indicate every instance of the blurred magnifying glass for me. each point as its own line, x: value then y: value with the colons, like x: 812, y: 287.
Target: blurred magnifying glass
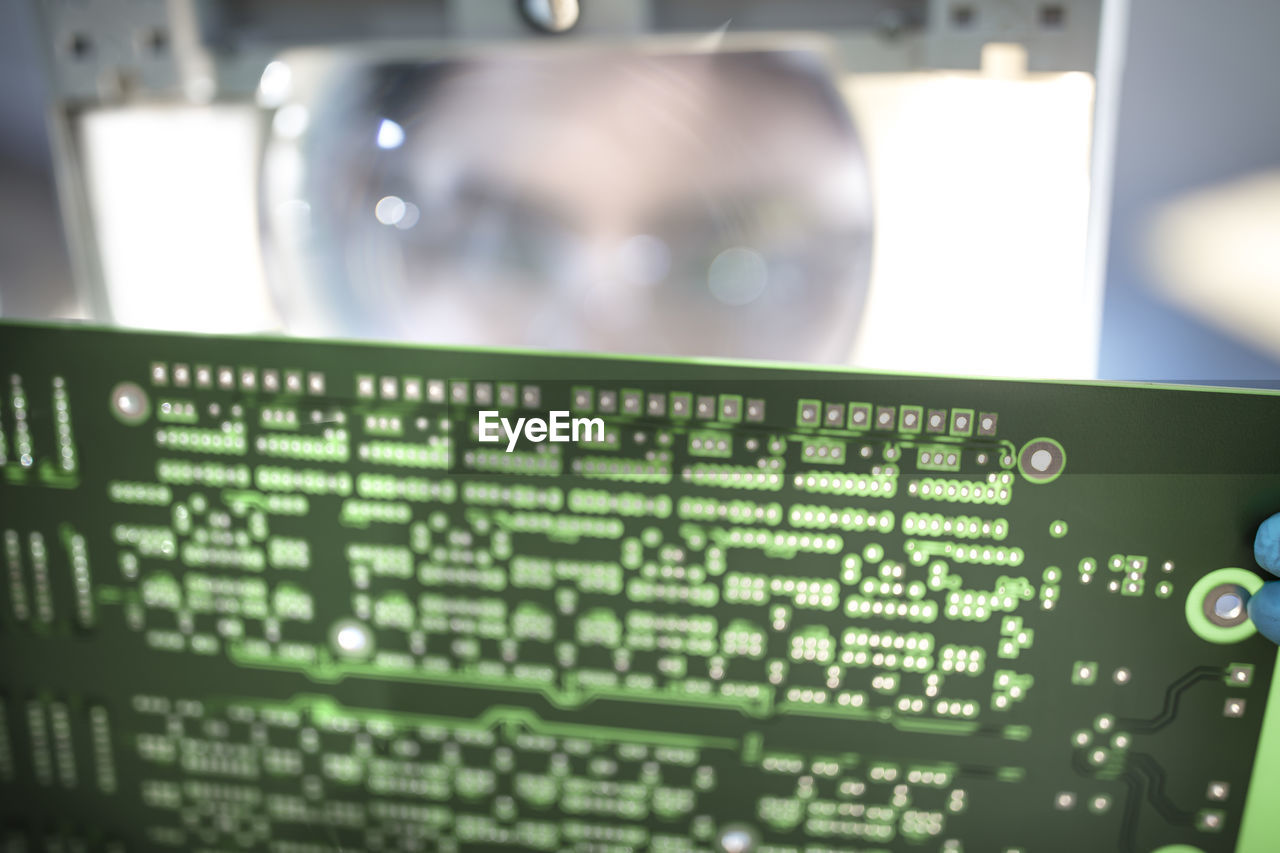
x: 679, y: 202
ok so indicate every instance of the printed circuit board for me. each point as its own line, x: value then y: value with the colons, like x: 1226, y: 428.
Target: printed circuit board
x: 278, y: 595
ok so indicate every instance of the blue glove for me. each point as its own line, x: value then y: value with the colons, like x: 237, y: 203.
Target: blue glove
x: 1264, y: 605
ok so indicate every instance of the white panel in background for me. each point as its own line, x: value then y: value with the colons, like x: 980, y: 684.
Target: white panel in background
x: 171, y: 195
x: 981, y: 193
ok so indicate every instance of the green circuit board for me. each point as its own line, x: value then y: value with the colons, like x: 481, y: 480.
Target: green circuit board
x: 299, y: 596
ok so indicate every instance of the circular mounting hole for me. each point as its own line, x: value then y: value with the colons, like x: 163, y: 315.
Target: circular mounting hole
x: 1228, y: 606
x: 1042, y: 460
x: 1225, y: 605
x: 737, y: 839
x: 129, y: 403
x: 1217, y: 605
x: 352, y: 640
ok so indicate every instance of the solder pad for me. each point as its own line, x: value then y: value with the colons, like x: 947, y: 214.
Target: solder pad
x: 273, y: 595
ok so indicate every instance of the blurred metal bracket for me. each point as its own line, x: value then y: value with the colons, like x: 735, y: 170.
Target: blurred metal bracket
x: 120, y: 50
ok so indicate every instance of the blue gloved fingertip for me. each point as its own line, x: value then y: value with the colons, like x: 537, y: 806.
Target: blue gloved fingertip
x: 1264, y: 610
x: 1266, y: 545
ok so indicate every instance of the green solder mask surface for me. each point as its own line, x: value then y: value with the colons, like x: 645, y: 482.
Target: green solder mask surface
x: 275, y: 595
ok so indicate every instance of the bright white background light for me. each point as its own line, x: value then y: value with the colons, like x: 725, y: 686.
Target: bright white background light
x: 171, y: 192
x: 981, y: 201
